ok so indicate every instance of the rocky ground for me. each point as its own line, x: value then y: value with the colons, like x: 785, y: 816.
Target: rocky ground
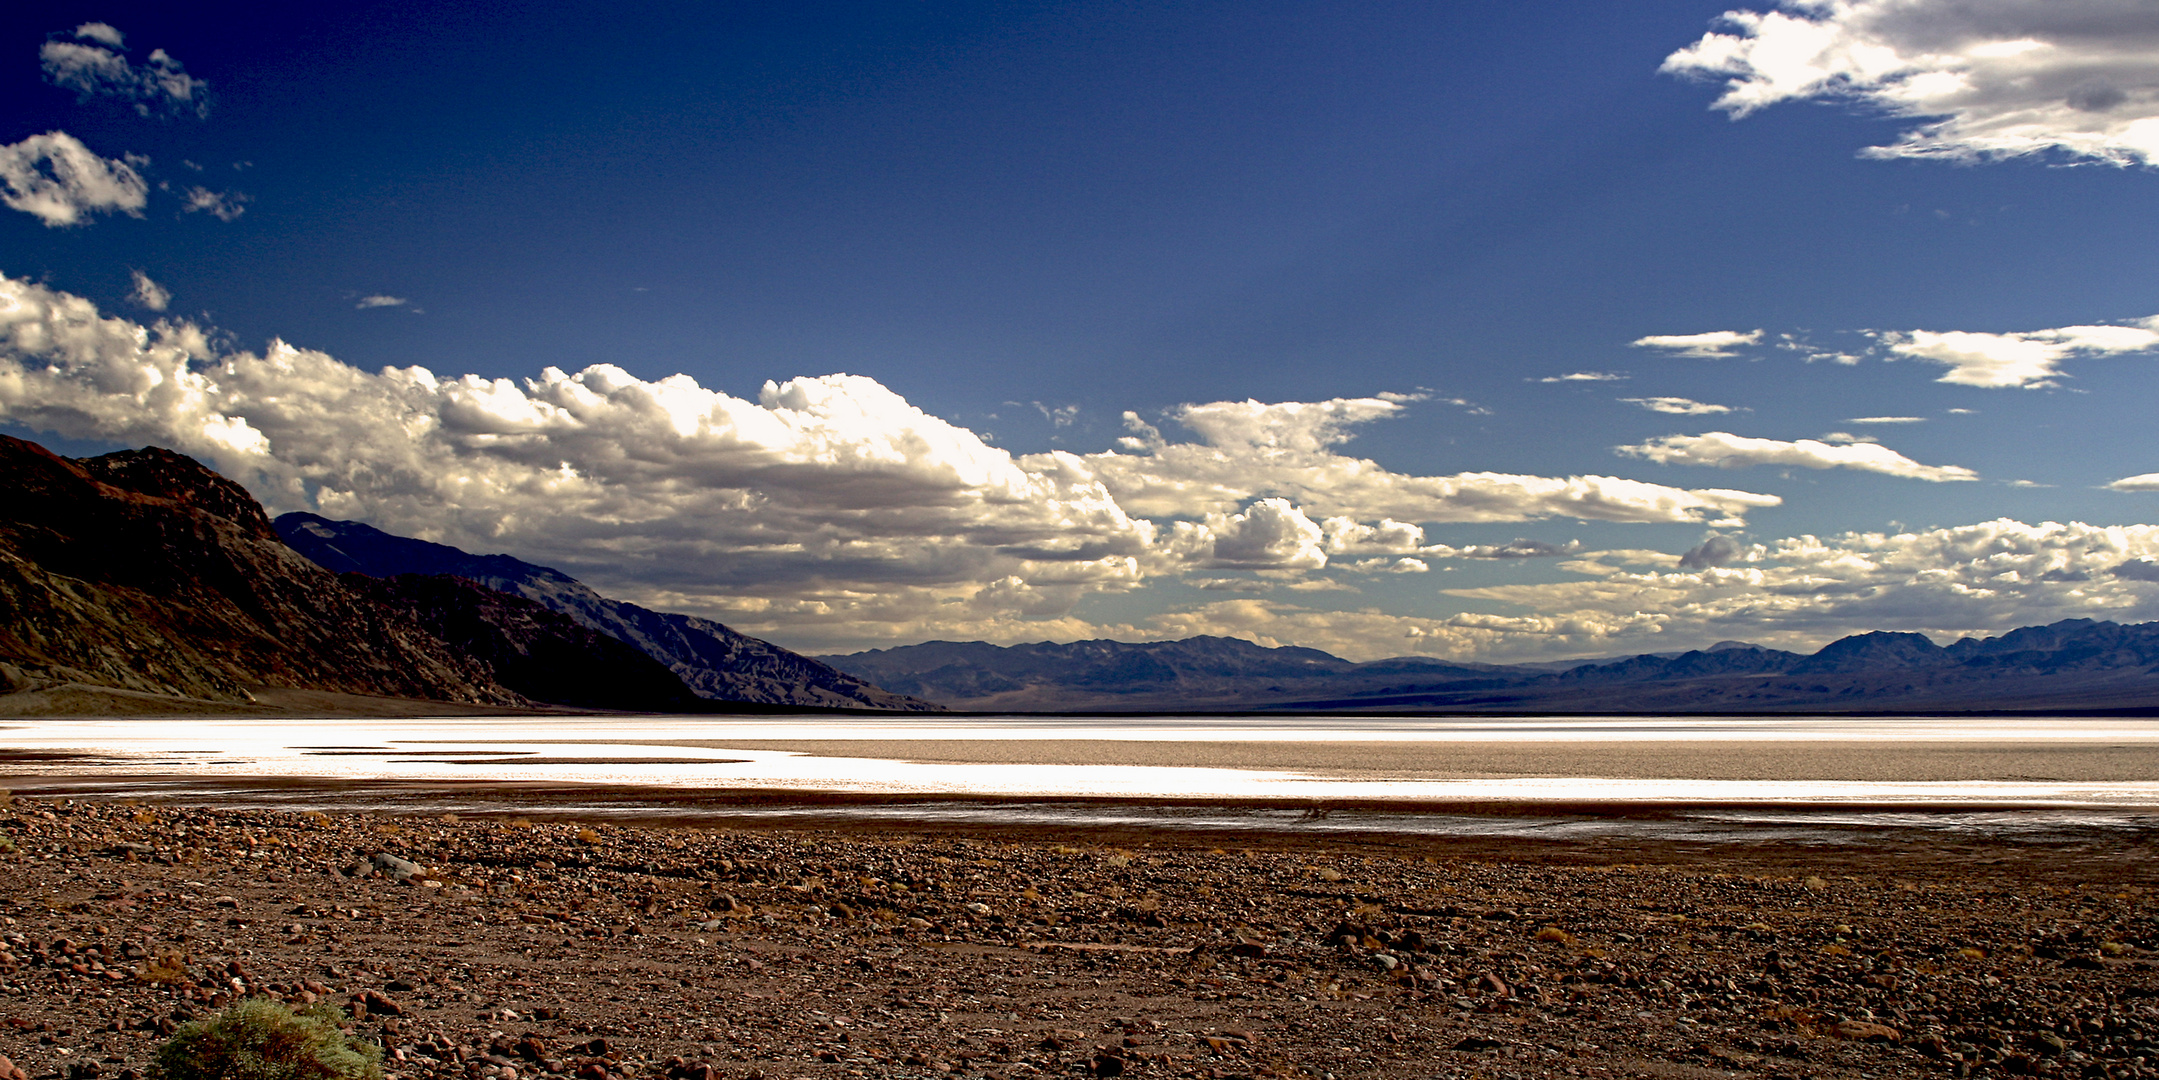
x: 507, y: 949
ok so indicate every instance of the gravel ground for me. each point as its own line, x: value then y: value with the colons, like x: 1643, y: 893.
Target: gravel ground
x: 509, y: 949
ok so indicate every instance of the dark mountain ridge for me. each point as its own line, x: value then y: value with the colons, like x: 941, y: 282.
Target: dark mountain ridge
x: 145, y: 572
x: 715, y: 662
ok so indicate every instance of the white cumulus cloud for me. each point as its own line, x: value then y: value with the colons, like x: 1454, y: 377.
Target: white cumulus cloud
x: 1584, y: 376
x: 2030, y: 359
x: 2141, y: 482
x: 1270, y: 535
x: 1726, y: 450
x: 1712, y: 345
x: 821, y: 499
x: 60, y: 181
x: 99, y: 69
x: 2002, y: 78
x: 824, y: 509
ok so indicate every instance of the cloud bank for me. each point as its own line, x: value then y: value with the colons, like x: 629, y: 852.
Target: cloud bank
x: 824, y: 506
x: 1986, y: 80
x: 1797, y: 593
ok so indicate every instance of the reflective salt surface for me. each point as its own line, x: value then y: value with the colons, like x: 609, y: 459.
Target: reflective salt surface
x: 729, y: 767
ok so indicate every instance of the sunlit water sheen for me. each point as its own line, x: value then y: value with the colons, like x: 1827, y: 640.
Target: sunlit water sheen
x: 428, y: 763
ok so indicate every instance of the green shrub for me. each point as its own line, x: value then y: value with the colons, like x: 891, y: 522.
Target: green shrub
x: 262, y: 1039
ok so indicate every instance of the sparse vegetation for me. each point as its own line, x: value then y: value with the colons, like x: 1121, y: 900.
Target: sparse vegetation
x: 263, y: 1039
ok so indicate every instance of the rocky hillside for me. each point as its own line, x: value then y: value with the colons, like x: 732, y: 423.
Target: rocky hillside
x: 145, y: 574
x: 145, y: 571
x: 716, y: 662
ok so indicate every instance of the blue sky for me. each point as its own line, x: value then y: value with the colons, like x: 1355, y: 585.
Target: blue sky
x: 1337, y: 265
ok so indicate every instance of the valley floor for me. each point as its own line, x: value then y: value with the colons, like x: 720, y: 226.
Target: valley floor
x: 529, y: 949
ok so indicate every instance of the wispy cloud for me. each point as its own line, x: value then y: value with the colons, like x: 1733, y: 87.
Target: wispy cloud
x: 1584, y: 376
x: 149, y: 294
x: 2141, y: 482
x: 1726, y: 450
x: 1985, y: 80
x: 1249, y: 449
x: 1711, y: 345
x: 1677, y: 406
x: 222, y: 205
x: 1887, y: 420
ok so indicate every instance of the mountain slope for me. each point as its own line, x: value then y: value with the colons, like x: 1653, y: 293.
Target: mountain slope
x: 145, y: 571
x: 541, y: 654
x: 716, y: 662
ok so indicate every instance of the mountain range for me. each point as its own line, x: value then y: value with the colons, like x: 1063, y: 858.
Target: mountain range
x: 143, y: 581
x: 2076, y: 664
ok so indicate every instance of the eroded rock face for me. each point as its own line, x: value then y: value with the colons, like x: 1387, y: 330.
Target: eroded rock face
x: 146, y: 571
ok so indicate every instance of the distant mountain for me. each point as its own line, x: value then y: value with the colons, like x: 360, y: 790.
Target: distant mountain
x: 1196, y: 673
x: 2074, y: 664
x: 715, y: 662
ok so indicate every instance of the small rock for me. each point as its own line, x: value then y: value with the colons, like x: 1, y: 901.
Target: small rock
x: 374, y: 1003
x: 395, y: 868
x: 1864, y: 1031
